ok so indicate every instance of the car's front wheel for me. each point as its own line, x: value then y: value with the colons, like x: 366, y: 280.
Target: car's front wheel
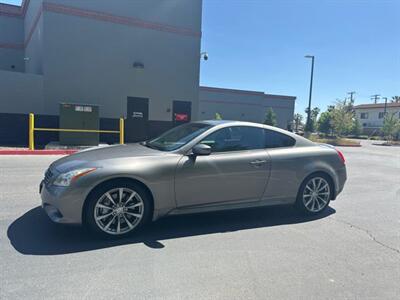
x: 314, y: 194
x: 117, y: 209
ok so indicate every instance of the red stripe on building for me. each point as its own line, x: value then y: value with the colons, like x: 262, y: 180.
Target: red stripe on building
x: 36, y: 152
x: 14, y: 10
x: 11, y: 46
x: 94, y: 15
x: 10, y: 10
x: 33, y: 27
x: 129, y: 21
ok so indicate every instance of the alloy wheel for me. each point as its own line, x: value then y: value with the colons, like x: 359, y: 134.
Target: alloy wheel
x: 316, y: 194
x: 118, y: 211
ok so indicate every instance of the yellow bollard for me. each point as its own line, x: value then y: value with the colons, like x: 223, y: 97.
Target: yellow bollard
x: 31, y: 131
x: 121, y: 130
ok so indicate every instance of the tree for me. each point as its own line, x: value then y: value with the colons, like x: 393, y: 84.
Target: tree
x: 270, y: 117
x: 342, y: 118
x: 218, y: 116
x: 391, y: 126
x: 356, y: 128
x: 395, y: 99
x: 310, y: 127
x: 298, y: 121
x: 325, y: 122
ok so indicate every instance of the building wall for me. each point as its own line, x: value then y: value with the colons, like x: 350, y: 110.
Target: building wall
x: 283, y: 106
x: 93, y: 61
x: 33, y: 37
x: 83, y: 52
x: 11, y: 43
x: 21, y: 92
x: 244, y: 105
x: 373, y: 120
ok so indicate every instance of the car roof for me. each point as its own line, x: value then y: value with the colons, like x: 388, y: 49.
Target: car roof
x: 225, y: 123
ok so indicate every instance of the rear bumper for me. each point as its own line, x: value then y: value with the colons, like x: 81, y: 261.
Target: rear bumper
x: 61, y: 204
x: 341, y: 180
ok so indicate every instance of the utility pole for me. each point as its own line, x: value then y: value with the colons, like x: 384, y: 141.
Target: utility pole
x: 384, y: 111
x: 351, y: 96
x: 375, y: 98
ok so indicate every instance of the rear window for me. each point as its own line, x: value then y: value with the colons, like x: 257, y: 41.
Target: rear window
x: 275, y: 139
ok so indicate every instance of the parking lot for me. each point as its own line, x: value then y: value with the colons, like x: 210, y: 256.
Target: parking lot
x: 352, y: 251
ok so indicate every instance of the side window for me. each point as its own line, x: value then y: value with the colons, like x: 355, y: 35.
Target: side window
x: 235, y: 138
x: 275, y: 139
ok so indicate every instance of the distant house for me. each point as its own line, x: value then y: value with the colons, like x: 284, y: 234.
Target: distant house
x: 371, y: 116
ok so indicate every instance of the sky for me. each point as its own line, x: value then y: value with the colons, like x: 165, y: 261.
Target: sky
x: 260, y: 45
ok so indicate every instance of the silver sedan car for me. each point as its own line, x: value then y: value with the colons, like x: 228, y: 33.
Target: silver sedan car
x: 196, y: 167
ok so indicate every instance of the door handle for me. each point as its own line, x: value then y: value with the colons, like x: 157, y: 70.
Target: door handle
x: 258, y: 162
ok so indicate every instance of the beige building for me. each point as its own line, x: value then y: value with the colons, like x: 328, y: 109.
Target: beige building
x: 371, y: 116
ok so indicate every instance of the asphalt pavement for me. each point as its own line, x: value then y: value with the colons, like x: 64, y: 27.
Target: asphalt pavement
x: 352, y: 251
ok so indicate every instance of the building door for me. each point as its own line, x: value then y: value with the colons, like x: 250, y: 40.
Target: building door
x: 182, y: 112
x: 137, y: 119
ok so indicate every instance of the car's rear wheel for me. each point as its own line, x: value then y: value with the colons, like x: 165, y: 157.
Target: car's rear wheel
x: 314, y: 194
x: 117, y: 209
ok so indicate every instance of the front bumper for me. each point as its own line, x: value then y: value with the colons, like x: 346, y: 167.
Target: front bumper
x: 61, y: 204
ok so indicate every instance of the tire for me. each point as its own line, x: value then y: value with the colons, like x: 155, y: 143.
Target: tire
x: 117, y: 209
x: 314, y: 194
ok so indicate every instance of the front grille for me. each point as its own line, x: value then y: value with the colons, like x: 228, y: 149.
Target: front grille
x: 47, y: 176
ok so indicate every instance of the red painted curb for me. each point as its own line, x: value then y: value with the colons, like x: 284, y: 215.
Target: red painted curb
x: 37, y: 152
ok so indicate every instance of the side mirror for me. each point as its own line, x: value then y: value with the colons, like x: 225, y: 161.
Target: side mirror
x: 201, y: 149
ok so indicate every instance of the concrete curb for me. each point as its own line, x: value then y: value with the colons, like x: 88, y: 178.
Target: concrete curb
x: 36, y: 152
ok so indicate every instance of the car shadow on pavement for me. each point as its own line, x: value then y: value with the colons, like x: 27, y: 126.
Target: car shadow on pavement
x: 33, y: 233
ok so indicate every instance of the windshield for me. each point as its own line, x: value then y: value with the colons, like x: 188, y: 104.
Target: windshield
x: 176, y: 137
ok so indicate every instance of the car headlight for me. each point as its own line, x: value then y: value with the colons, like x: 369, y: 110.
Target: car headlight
x: 65, y: 179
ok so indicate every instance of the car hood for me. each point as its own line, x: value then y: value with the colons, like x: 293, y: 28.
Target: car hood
x: 99, y: 156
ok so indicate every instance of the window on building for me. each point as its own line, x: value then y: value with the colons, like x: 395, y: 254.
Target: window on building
x: 275, y: 139
x: 381, y: 115
x: 235, y: 138
x: 363, y: 115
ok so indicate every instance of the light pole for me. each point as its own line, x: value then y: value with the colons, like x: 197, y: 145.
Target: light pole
x: 308, y: 124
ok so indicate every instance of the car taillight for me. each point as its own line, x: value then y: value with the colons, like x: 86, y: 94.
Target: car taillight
x: 341, y: 156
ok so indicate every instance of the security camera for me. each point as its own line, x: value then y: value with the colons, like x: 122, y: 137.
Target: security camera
x: 204, y: 55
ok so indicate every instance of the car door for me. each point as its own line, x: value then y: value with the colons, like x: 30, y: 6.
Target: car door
x: 236, y: 170
x: 285, y: 161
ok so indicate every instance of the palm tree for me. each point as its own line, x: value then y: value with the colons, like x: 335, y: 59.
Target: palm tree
x: 298, y: 118
x: 395, y: 99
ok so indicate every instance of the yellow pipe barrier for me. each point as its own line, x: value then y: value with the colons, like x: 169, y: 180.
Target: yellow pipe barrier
x: 32, y: 130
x: 121, y: 130
x: 76, y: 130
